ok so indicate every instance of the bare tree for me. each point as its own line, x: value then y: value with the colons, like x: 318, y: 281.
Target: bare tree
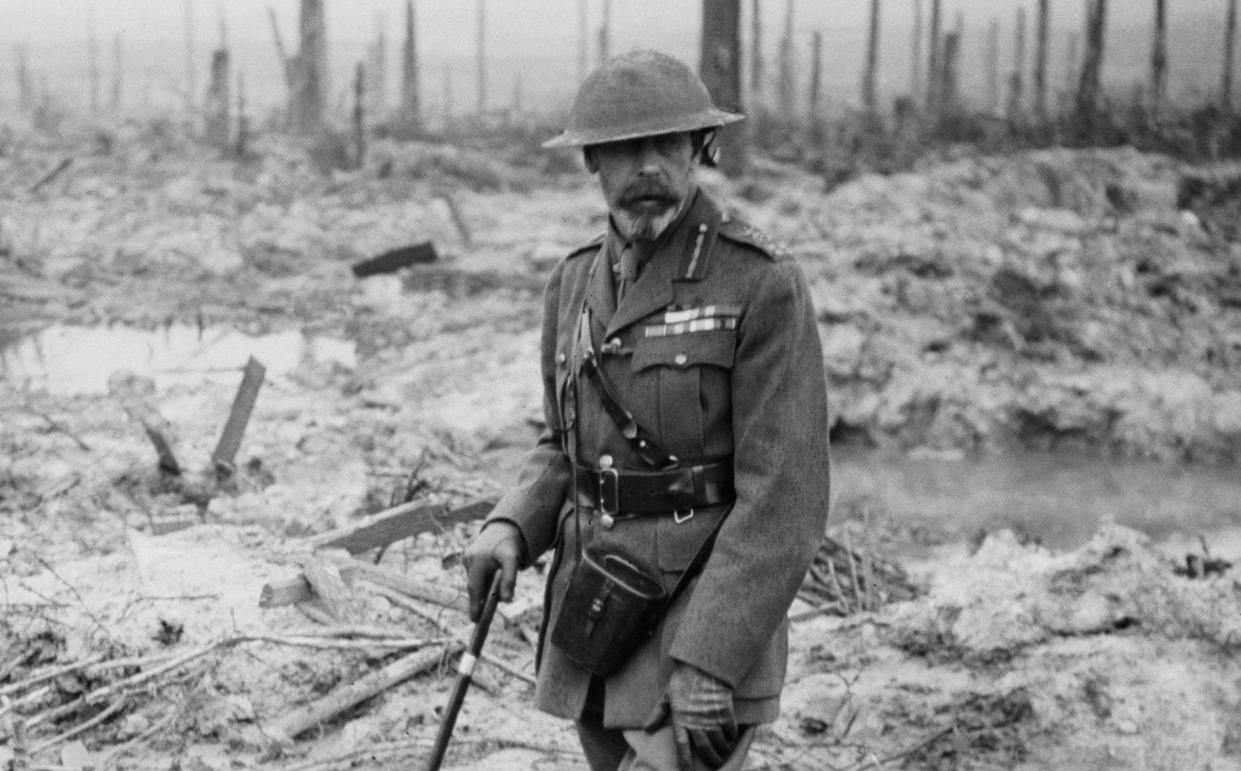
x: 377, y: 69
x: 950, y: 88
x: 869, y: 98
x: 756, y: 51
x: 1040, y: 61
x: 242, y: 144
x: 814, y: 116
x: 359, y: 116
x: 411, y: 107
x: 720, y: 67
x: 1086, y: 108
x: 1159, y: 59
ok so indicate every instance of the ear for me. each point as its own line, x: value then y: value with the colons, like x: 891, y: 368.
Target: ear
x: 588, y: 157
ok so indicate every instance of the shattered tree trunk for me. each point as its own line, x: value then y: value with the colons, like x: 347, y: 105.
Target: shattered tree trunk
x: 378, y: 66
x: 583, y: 40
x: 756, y: 52
x: 309, y: 70
x: 915, y: 74
x: 411, y: 101
x: 814, y: 115
x: 191, y: 73
x: 242, y: 144
x: 993, y: 67
x: 950, y: 96
x: 933, y: 73
x: 92, y: 49
x: 1159, y: 59
x: 869, y: 98
x: 216, y: 110
x: 1040, y: 61
x: 482, y: 57
x: 1016, y: 80
x: 359, y: 116
x: 720, y: 67
x: 605, y: 32
x: 25, y: 84
x: 118, y: 73
x: 1230, y: 49
x: 786, y: 64
x: 1086, y: 110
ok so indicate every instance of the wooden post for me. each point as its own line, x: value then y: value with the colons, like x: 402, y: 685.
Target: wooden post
x: 411, y: 107
x: 1016, y: 84
x: 481, y: 55
x: 869, y: 97
x: 359, y: 116
x: 915, y: 73
x: 1040, y: 61
x: 605, y: 32
x: 1159, y: 60
x: 933, y: 67
x: 1086, y: 108
x: 92, y: 50
x: 217, y: 121
x: 1230, y: 48
x: 719, y: 65
x: 118, y: 72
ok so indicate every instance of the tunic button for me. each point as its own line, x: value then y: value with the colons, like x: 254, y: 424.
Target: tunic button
x: 680, y: 359
x: 605, y: 461
x: 561, y: 358
x: 607, y: 520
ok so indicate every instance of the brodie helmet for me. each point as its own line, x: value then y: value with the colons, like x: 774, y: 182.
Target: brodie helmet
x: 639, y: 94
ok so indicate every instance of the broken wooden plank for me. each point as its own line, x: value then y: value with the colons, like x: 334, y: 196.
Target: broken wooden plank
x: 238, y: 418
x: 398, y: 523
x: 418, y: 590
x: 300, y: 720
x: 393, y: 260
x: 51, y: 175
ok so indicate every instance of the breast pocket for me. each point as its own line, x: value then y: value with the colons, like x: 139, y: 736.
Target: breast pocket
x: 691, y: 382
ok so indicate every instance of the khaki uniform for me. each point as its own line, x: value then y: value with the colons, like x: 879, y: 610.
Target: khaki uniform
x: 716, y: 351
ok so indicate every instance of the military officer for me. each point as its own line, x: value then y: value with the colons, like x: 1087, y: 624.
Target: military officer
x: 686, y: 433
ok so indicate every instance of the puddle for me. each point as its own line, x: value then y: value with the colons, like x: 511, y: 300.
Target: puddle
x: 1060, y: 500
x: 77, y: 360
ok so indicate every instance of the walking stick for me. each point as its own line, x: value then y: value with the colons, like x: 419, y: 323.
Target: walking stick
x: 465, y: 675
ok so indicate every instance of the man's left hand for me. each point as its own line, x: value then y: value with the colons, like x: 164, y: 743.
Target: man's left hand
x: 702, y: 717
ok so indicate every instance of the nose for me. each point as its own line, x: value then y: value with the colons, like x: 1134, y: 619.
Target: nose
x: 648, y: 158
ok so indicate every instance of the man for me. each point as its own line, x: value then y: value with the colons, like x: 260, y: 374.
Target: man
x: 686, y: 432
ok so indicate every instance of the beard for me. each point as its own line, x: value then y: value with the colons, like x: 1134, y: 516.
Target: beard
x: 647, y: 208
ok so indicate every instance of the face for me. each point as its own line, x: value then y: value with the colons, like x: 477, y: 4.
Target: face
x: 646, y: 181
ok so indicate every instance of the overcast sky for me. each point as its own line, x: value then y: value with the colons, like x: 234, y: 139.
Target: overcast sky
x: 533, y: 44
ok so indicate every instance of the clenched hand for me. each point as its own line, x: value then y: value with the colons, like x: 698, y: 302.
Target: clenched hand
x: 498, y: 546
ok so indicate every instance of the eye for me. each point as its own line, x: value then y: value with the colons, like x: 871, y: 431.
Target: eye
x: 667, y: 144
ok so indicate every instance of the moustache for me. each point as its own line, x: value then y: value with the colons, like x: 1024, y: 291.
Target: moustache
x: 648, y: 190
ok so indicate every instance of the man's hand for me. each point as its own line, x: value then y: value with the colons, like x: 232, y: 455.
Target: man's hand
x: 498, y: 546
x: 702, y: 717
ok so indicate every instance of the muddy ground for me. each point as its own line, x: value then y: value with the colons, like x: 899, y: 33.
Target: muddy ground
x: 1048, y: 304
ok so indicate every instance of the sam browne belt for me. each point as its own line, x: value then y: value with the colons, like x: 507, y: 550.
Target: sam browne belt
x: 614, y: 491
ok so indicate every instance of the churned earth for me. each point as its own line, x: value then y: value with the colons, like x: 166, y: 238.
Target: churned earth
x: 1033, y: 363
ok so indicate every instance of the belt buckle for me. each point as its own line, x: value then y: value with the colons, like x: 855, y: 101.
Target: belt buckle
x: 609, y: 494
x: 680, y: 518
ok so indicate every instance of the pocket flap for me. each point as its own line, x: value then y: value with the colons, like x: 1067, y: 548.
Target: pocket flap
x: 691, y: 349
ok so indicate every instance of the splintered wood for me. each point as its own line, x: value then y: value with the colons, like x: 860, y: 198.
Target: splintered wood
x: 842, y: 581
